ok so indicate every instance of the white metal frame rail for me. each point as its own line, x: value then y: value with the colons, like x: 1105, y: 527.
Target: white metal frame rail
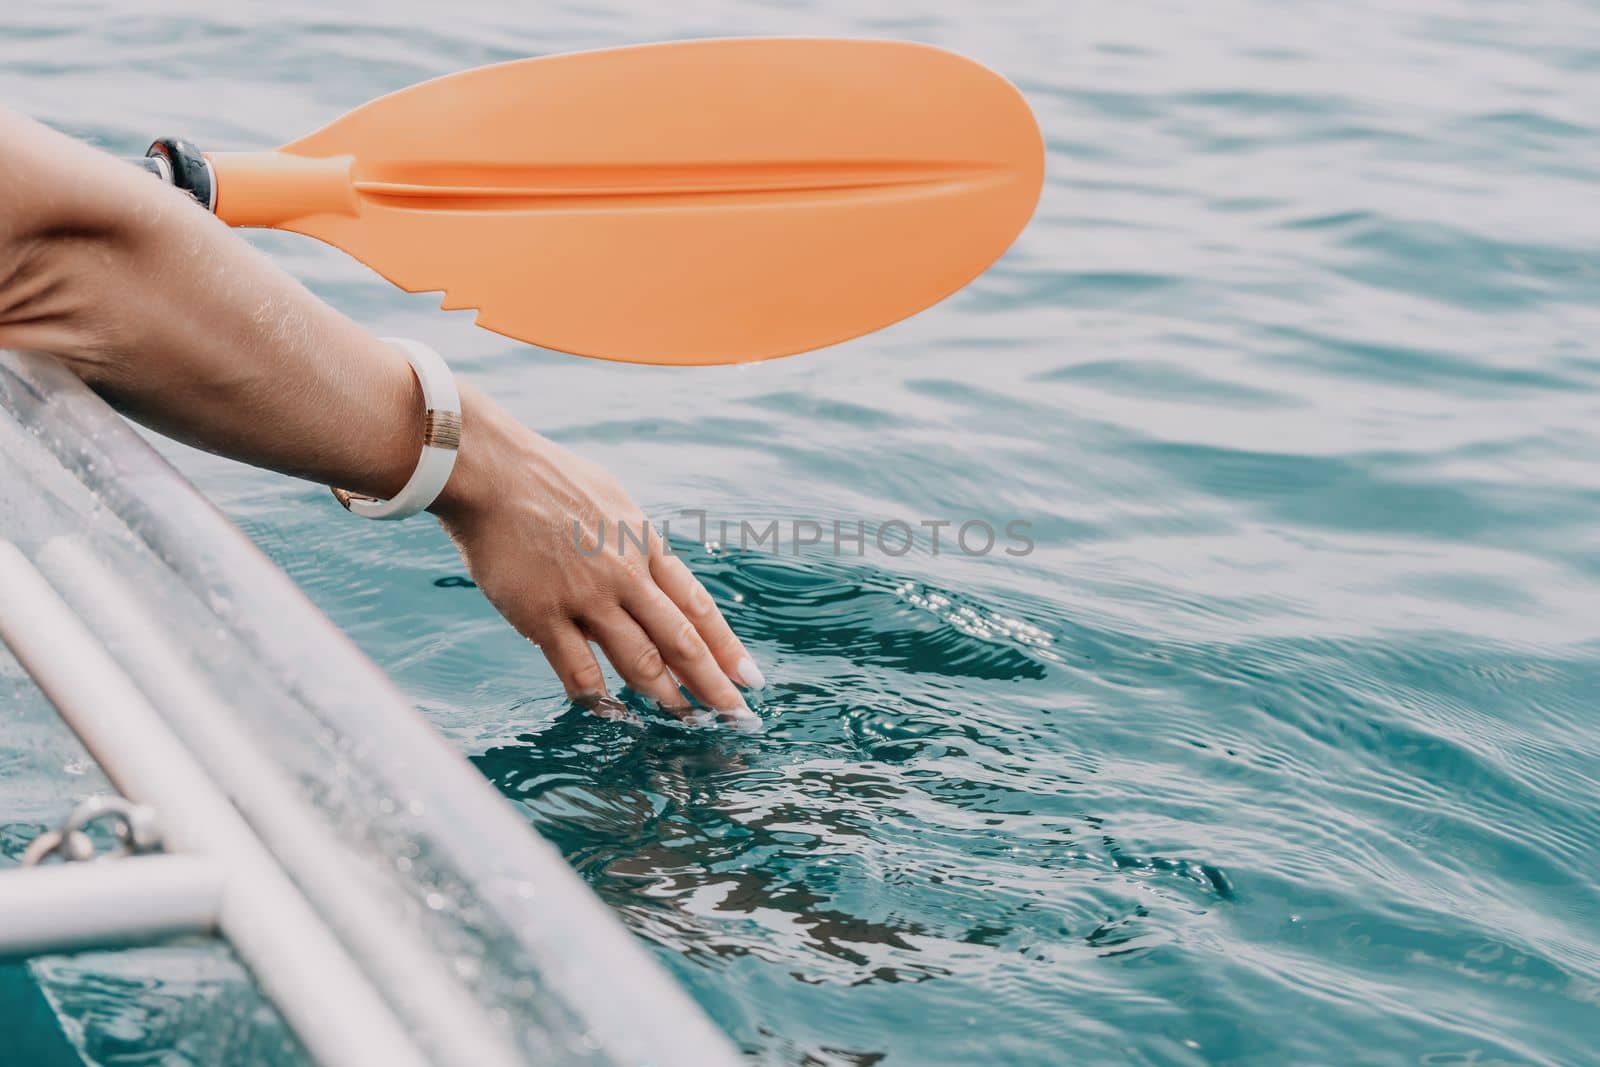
x: 226, y: 878
x: 107, y: 904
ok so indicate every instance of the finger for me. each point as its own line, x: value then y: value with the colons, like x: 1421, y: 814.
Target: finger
x: 573, y: 661
x: 693, y: 599
x: 636, y: 658
x: 685, y: 652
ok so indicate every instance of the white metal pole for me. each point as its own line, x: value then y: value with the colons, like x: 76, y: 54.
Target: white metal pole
x: 67, y: 907
x: 453, y: 1027
x: 295, y: 958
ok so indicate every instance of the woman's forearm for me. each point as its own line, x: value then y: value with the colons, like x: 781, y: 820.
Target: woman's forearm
x: 160, y: 309
x: 188, y: 329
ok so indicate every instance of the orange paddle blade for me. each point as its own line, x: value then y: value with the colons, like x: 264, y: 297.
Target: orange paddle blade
x: 687, y: 203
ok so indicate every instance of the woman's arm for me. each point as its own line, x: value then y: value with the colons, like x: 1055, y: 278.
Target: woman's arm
x: 184, y: 326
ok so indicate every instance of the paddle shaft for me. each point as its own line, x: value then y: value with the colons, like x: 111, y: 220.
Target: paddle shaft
x: 264, y: 189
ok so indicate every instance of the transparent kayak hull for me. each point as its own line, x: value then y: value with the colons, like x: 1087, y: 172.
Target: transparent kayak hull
x: 470, y: 928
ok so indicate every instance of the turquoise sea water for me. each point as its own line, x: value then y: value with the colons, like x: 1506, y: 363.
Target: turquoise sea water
x: 1282, y: 744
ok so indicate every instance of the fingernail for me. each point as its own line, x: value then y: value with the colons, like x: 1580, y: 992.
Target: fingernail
x: 749, y: 675
x: 742, y: 719
x: 605, y: 706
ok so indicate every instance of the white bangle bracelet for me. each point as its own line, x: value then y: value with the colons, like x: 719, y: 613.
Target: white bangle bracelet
x: 441, y: 437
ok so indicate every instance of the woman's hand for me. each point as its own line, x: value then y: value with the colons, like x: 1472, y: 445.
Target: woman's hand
x: 513, y: 506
